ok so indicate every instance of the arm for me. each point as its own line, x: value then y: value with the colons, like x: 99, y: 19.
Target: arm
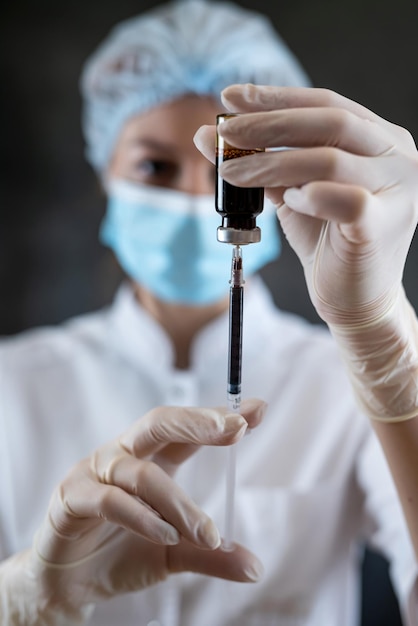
x: 347, y: 200
x: 382, y: 361
x: 118, y: 522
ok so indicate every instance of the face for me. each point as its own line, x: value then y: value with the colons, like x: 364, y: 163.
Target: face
x: 156, y: 147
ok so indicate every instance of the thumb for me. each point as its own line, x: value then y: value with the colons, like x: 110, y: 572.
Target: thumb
x: 237, y: 564
x: 205, y: 141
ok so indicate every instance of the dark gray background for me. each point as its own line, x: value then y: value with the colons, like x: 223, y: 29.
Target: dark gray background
x: 51, y: 265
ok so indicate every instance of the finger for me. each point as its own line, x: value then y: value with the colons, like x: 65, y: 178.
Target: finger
x: 307, y: 128
x: 302, y: 231
x: 250, y: 98
x: 203, y: 426
x: 352, y: 207
x: 205, y: 141
x: 295, y: 168
x: 81, y: 503
x: 157, y: 490
x: 329, y: 201
x: 165, y: 425
x: 173, y: 454
x: 296, y: 128
x: 238, y: 564
x: 275, y: 195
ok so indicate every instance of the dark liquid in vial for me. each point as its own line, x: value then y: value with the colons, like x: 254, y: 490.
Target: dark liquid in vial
x: 238, y: 206
x: 242, y: 203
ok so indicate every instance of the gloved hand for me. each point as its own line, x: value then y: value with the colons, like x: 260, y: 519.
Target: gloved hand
x: 347, y: 198
x: 118, y: 522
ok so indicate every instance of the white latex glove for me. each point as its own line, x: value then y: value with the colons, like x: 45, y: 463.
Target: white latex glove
x: 118, y: 522
x: 347, y: 198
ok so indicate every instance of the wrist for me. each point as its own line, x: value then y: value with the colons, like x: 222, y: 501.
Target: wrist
x: 24, y: 600
x: 381, y: 357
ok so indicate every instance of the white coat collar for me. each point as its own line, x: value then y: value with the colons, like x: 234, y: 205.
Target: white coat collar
x: 142, y: 340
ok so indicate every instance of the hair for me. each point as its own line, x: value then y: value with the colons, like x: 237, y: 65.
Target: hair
x: 184, y: 46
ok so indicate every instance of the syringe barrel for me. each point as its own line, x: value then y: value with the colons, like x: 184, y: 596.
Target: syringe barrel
x: 235, y: 339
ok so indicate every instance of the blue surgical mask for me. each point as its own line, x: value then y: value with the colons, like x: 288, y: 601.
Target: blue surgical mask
x: 166, y: 241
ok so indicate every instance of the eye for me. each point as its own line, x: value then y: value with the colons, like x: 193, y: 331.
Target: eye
x: 155, y: 170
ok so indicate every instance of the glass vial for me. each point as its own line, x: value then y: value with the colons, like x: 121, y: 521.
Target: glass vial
x: 238, y: 206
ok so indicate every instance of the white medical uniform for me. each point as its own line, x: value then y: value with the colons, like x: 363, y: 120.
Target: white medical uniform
x: 311, y: 480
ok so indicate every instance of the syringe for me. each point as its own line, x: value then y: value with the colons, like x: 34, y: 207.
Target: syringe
x: 239, y: 208
x: 236, y: 303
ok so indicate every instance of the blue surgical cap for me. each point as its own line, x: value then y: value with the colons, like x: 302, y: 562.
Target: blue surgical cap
x: 184, y: 46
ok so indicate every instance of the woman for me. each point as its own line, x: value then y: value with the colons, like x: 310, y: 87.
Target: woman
x: 313, y: 482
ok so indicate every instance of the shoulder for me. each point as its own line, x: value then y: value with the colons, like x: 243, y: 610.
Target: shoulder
x: 47, y: 347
